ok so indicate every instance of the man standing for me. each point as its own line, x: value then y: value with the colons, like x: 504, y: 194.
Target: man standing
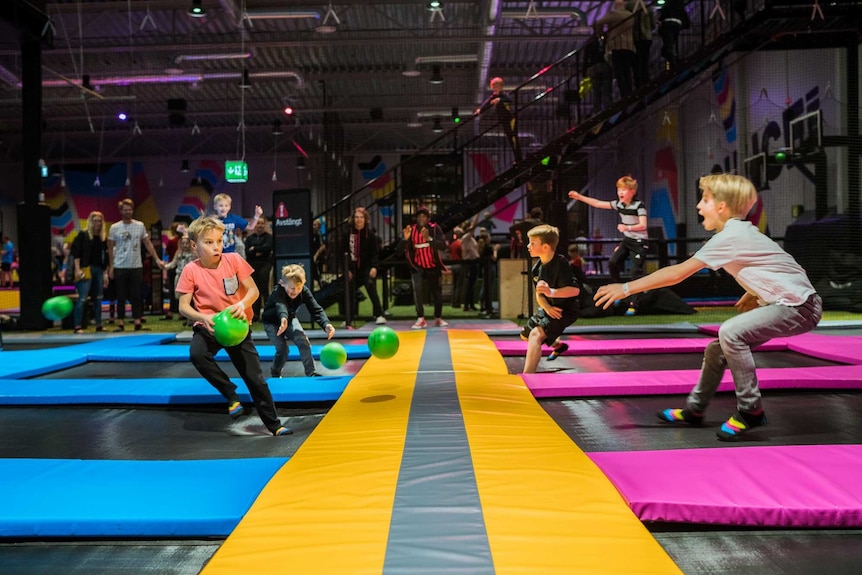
x: 125, y: 265
x: 258, y: 252
x: 422, y: 243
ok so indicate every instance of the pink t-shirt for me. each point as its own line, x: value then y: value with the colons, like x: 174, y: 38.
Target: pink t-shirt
x: 215, y: 289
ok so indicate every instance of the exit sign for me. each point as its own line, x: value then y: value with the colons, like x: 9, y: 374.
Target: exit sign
x: 235, y: 171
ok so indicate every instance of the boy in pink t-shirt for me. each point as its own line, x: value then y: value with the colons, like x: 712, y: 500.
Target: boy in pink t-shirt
x: 214, y: 282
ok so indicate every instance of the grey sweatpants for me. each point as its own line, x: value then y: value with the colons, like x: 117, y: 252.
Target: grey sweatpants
x: 736, y: 338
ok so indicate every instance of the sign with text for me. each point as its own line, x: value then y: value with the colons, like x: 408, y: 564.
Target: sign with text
x: 235, y: 171
x: 291, y: 222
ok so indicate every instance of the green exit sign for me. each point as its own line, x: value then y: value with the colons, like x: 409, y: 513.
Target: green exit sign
x: 235, y: 171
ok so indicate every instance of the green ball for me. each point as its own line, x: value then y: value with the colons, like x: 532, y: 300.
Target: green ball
x: 229, y: 331
x: 57, y: 307
x: 383, y: 342
x: 333, y: 355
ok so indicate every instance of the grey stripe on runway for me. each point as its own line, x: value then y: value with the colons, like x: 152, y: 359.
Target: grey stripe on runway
x: 437, y: 522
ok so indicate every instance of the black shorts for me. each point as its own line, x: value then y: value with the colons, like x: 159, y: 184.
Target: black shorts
x: 6, y: 266
x: 553, y: 328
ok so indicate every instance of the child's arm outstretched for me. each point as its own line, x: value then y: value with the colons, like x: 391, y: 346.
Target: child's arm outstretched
x: 667, y: 276
x: 601, y: 204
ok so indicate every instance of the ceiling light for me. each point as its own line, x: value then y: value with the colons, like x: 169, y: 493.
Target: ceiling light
x: 288, y: 110
x: 437, y: 127
x: 245, y: 83
x: 276, y: 128
x: 326, y: 27
x: 212, y: 56
x: 184, y: 167
x: 411, y: 73
x: 415, y: 124
x: 540, y: 14
x: 197, y: 10
x: 436, y: 78
x: 281, y: 14
x: 300, y: 163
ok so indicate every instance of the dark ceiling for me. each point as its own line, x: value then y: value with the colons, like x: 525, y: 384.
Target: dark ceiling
x: 366, y: 79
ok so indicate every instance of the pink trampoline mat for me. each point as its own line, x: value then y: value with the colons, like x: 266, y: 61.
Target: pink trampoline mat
x: 610, y: 383
x: 812, y: 486
x: 844, y: 348
x: 627, y: 346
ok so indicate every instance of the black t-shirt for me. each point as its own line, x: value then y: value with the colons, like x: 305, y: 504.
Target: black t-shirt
x: 557, y: 273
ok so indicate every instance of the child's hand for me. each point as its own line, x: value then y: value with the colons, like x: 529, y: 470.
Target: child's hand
x: 237, y: 310
x: 543, y: 288
x: 606, y: 295
x: 282, y: 327
x: 553, y: 311
x: 574, y: 195
x: 209, y: 322
x: 258, y: 211
x: 330, y: 331
x: 406, y: 233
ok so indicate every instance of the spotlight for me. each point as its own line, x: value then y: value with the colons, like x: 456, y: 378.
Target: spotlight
x: 436, y: 78
x: 437, y: 126
x: 197, y: 10
x: 245, y: 83
x: 288, y: 110
x: 184, y: 167
x: 122, y: 116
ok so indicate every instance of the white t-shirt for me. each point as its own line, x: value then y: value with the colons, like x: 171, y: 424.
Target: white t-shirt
x: 127, y: 240
x: 757, y: 263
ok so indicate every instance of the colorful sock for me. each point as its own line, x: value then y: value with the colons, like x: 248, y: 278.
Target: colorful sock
x: 740, y: 423
x: 680, y: 416
x: 558, y: 351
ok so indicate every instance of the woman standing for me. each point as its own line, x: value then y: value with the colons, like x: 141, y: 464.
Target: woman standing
x: 90, y: 254
x: 363, y: 249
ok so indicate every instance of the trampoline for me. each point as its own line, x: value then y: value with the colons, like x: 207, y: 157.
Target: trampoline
x: 438, y: 460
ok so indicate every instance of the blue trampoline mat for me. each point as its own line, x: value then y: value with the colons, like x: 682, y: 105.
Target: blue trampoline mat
x: 75, y: 498
x: 160, y: 391
x: 181, y: 353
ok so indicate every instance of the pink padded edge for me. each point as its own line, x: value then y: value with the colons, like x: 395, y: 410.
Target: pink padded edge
x: 787, y: 486
x: 681, y: 381
x: 843, y: 348
x: 627, y: 346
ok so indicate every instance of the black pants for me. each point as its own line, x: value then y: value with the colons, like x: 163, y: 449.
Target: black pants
x: 636, y: 249
x: 362, y: 279
x: 260, y: 275
x: 128, y: 282
x: 431, y: 278
x: 246, y: 361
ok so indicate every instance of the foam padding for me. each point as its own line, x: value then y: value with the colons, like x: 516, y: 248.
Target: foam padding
x: 35, y: 362
x: 159, y: 391
x: 181, y: 353
x: 547, y: 508
x: 74, y: 498
x: 328, y: 509
x: 841, y: 348
x: 800, y: 486
x: 625, y: 346
x: 682, y: 381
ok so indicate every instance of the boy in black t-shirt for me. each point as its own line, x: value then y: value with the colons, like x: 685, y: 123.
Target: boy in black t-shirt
x: 556, y: 293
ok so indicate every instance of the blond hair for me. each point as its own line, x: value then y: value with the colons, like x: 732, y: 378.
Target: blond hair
x: 627, y: 182
x: 294, y: 273
x: 103, y: 234
x: 204, y: 225
x: 736, y: 192
x: 547, y: 234
x: 222, y: 198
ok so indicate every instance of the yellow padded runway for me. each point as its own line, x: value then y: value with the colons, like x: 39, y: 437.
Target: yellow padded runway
x: 546, y: 507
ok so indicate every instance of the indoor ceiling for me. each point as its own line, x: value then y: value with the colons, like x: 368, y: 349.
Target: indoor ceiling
x: 361, y: 68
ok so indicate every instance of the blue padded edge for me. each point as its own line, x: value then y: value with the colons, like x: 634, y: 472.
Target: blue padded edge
x: 161, y: 391
x: 75, y: 498
x: 181, y: 353
x: 33, y: 362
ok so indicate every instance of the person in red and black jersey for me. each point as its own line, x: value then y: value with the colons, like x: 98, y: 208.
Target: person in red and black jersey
x: 422, y: 243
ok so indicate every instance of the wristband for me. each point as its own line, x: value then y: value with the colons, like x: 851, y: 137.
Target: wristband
x: 552, y: 292
x: 626, y: 288
x: 629, y: 228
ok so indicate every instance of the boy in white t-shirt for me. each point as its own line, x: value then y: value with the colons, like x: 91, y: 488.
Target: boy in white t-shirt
x: 779, y: 301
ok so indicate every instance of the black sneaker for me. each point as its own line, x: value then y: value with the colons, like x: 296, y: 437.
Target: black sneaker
x: 680, y: 416
x: 739, y: 424
x: 558, y: 351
